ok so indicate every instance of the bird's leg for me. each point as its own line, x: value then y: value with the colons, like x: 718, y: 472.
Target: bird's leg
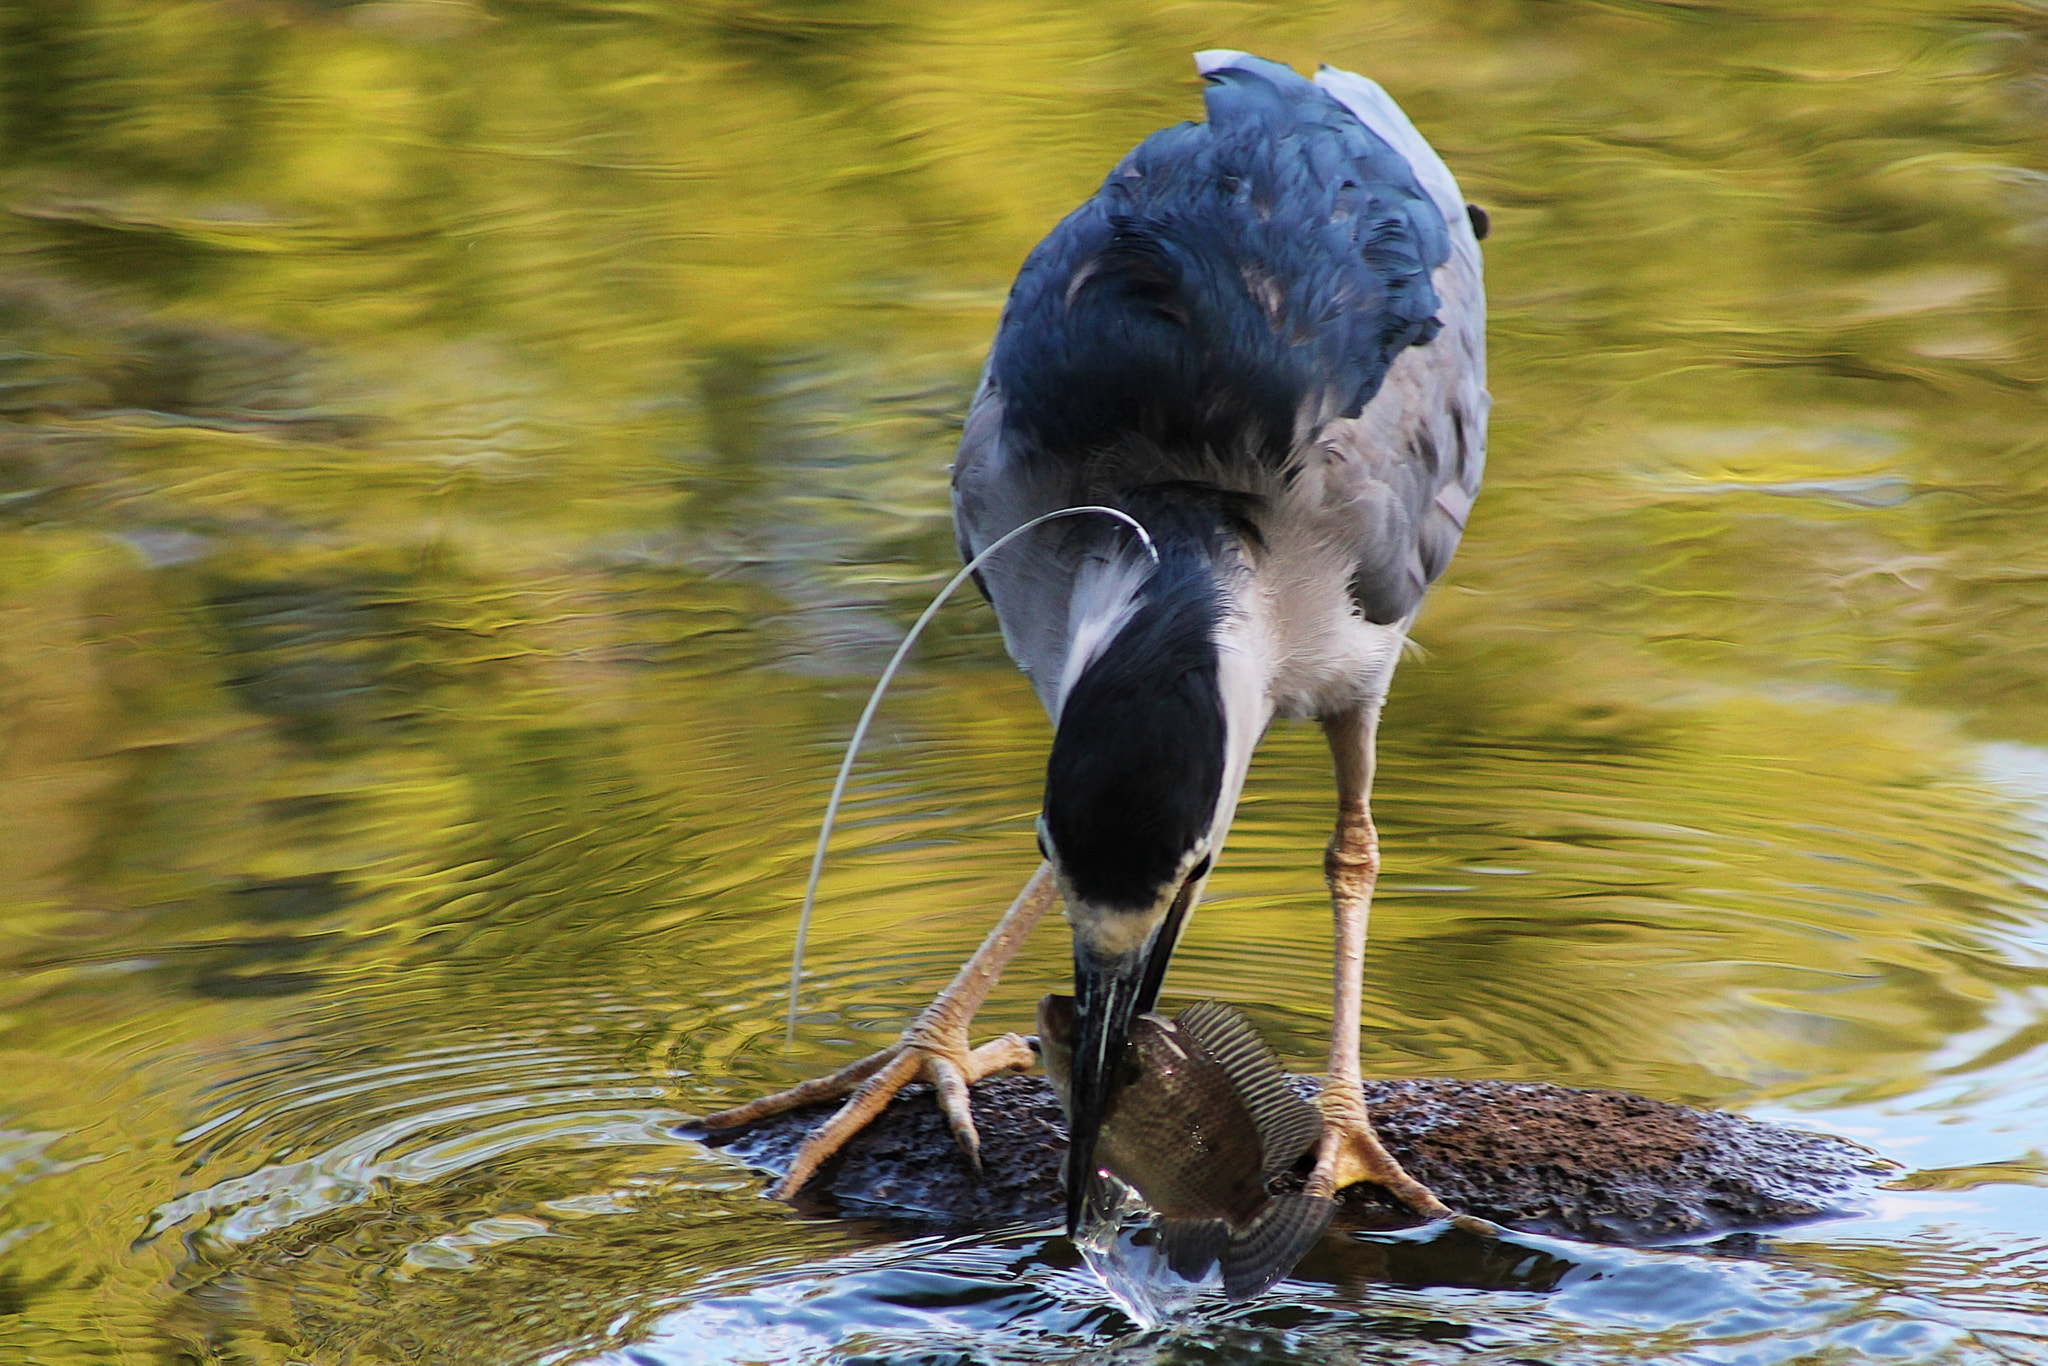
x: 934, y: 1047
x: 1350, y: 1151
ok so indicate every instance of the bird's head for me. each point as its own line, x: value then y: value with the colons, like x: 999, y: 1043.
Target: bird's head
x: 1121, y: 949
x: 1134, y: 792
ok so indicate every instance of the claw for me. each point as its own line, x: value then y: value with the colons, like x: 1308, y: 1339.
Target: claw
x: 872, y: 1083
x: 1004, y: 1053
x: 935, y: 1045
x: 951, y: 1085
x: 1351, y: 1152
x: 869, y: 1101
x: 814, y: 1092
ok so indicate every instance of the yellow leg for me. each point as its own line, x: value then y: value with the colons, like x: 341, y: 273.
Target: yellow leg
x: 1351, y: 1151
x: 934, y: 1047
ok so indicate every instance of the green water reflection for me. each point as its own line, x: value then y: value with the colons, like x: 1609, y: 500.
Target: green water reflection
x: 460, y: 464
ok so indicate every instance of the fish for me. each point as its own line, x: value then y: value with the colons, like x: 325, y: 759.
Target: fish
x: 1199, y: 1122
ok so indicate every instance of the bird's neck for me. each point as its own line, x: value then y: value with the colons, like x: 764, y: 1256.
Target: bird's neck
x: 1159, y: 710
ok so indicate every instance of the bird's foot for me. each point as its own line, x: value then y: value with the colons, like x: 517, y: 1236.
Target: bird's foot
x: 935, y: 1051
x: 1350, y: 1152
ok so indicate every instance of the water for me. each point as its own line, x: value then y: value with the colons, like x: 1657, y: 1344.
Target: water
x: 1119, y: 1246
x: 462, y: 464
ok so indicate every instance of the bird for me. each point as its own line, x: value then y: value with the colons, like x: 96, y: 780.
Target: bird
x: 1262, y: 342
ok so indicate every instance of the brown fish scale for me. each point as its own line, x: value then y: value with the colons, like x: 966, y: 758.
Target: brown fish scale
x: 1606, y: 1166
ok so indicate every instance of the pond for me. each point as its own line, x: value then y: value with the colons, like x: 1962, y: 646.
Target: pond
x: 462, y: 463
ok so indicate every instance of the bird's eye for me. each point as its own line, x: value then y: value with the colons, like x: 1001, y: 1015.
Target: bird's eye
x: 1200, y: 870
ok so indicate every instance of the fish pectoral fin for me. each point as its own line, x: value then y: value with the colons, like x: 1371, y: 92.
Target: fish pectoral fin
x: 1274, y: 1242
x: 1192, y: 1247
x: 1287, y: 1131
x: 1288, y: 1125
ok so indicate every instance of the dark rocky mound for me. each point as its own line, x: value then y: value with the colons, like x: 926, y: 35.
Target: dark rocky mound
x: 1599, y: 1165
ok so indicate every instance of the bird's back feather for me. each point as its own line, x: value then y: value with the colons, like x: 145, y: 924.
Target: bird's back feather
x: 1233, y: 286
x: 1274, y: 306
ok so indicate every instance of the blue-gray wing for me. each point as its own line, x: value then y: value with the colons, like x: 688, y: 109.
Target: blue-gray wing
x: 1286, y: 298
x: 1233, y: 285
x: 1405, y: 471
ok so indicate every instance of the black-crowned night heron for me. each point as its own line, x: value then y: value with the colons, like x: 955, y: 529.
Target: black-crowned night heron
x: 1263, y: 340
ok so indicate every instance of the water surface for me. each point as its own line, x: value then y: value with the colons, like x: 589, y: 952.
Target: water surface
x: 461, y: 464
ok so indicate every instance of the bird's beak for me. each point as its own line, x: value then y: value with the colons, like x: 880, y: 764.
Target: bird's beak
x: 1112, y: 987
x: 1105, y: 1003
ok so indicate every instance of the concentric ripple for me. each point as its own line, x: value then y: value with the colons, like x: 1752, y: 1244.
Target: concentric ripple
x: 462, y: 460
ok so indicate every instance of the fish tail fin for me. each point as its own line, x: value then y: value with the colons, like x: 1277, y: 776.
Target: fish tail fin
x: 1192, y: 1246
x: 1274, y: 1242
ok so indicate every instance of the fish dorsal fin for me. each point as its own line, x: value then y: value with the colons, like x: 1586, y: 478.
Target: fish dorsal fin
x: 1288, y: 1125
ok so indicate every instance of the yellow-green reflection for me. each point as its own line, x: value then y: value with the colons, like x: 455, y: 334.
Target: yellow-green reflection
x: 461, y: 460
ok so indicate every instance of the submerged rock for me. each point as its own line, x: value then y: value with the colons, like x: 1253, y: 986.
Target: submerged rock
x: 1605, y: 1166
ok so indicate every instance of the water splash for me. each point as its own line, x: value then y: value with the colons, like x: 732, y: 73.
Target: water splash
x: 1118, y: 1243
